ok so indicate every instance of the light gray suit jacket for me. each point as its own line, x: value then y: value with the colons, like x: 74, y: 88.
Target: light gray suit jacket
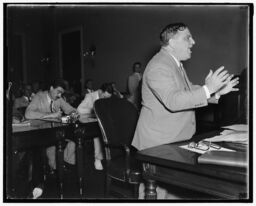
x: 168, y: 102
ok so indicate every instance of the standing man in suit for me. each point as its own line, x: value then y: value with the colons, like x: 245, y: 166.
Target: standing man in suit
x: 169, y: 98
x: 134, y: 83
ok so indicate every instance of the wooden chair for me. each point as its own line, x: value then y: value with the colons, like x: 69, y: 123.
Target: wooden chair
x: 117, y: 120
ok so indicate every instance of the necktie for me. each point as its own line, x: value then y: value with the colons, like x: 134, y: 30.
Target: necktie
x: 184, y: 75
x: 51, y: 106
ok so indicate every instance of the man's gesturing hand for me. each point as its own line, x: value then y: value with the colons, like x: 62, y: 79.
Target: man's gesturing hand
x: 229, y: 86
x: 215, y: 80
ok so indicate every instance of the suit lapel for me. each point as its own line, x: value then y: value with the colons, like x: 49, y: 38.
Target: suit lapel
x: 181, y: 71
x: 185, y: 76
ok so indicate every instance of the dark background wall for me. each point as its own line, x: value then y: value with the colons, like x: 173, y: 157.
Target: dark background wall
x: 36, y: 27
x: 124, y: 34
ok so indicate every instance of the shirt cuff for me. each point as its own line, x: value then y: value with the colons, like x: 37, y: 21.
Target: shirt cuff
x: 208, y: 95
x: 217, y: 96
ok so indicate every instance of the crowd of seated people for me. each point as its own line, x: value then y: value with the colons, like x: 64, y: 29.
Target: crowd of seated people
x: 21, y: 103
x: 36, y: 87
x: 36, y: 102
x: 22, y: 97
x: 23, y: 93
x: 70, y: 95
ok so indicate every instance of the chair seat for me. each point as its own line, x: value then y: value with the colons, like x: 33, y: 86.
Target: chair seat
x: 116, y: 169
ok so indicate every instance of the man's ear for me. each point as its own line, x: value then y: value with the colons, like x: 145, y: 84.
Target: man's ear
x: 51, y: 87
x: 171, y: 42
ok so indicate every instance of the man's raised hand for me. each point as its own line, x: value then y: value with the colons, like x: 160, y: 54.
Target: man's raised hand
x: 215, y: 80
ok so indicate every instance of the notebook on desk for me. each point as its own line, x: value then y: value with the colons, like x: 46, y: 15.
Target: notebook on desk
x: 235, y: 159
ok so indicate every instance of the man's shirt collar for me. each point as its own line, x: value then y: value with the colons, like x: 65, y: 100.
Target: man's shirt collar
x: 48, y: 97
x: 175, y: 59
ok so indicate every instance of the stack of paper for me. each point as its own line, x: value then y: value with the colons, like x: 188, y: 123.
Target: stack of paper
x: 238, y: 127
x: 232, y: 133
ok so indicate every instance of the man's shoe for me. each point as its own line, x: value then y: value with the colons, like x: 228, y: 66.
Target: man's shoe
x: 98, y: 165
x: 36, y: 192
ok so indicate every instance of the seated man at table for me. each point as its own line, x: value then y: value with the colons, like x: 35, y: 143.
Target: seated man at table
x: 86, y: 107
x: 50, y: 104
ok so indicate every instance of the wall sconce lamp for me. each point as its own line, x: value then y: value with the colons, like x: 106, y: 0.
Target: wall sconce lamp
x: 90, y: 52
x: 45, y: 60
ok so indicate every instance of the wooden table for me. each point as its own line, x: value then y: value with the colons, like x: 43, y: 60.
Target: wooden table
x: 43, y: 133
x: 173, y: 165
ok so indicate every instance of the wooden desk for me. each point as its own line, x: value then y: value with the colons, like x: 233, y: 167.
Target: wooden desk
x: 174, y: 165
x: 36, y: 137
x: 41, y: 134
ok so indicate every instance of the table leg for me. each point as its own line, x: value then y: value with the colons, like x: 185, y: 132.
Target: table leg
x: 80, y: 165
x: 150, y: 192
x: 60, y: 161
x: 13, y: 173
x: 45, y: 163
x: 37, y: 168
x: 79, y: 133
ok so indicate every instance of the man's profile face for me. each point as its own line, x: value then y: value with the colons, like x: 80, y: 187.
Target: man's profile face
x: 181, y: 44
x: 56, y: 93
x: 28, y: 91
x: 89, y: 85
x: 137, y: 68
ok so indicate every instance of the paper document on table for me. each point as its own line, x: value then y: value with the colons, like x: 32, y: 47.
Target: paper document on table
x: 237, y: 127
x: 21, y: 124
x: 231, y: 136
x: 203, y: 151
x: 86, y: 119
x: 91, y: 119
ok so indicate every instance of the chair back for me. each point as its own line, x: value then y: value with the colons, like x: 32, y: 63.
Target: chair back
x: 117, y: 119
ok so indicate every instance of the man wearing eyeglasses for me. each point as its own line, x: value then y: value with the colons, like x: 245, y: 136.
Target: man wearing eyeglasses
x: 169, y: 98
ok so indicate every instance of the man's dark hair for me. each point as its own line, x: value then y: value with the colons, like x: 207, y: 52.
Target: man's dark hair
x: 169, y: 31
x: 107, y: 87
x: 59, y: 83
